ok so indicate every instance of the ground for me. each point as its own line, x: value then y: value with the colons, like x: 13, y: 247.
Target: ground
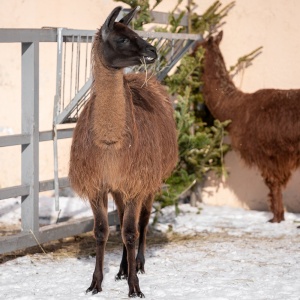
x: 206, y: 252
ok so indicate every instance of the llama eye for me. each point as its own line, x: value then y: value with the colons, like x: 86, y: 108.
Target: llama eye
x: 122, y: 40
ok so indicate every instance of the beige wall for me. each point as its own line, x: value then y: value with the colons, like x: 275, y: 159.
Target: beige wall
x: 273, y: 24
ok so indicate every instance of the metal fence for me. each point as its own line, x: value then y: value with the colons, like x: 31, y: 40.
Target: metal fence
x: 73, y: 56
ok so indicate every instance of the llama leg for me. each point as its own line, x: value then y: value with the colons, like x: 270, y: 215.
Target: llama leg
x: 143, y: 224
x: 276, y: 203
x: 130, y: 234
x: 123, y: 271
x: 101, y: 231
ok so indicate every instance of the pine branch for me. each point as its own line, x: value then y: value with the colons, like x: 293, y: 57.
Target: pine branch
x: 211, y: 19
x: 245, y: 61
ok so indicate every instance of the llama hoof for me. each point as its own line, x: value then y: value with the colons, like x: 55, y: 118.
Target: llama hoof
x: 140, y: 264
x: 140, y: 269
x: 120, y: 277
x: 276, y: 220
x: 95, y: 286
x: 134, y: 295
x: 94, y: 290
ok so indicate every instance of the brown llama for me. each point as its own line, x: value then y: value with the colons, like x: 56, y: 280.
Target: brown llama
x: 124, y: 143
x: 265, y: 125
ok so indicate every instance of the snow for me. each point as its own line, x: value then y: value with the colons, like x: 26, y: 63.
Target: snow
x: 223, y: 253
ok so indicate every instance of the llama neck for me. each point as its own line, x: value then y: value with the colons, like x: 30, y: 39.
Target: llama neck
x: 109, y: 108
x: 218, y: 89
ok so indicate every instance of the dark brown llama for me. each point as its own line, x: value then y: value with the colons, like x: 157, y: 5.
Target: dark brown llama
x: 265, y: 127
x: 124, y: 143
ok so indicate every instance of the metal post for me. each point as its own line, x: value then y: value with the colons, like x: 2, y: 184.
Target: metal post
x: 57, y: 109
x: 30, y: 125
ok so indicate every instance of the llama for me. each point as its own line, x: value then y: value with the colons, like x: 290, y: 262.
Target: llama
x: 124, y: 143
x: 265, y: 125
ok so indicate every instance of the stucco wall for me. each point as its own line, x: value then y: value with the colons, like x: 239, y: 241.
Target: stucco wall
x: 273, y: 24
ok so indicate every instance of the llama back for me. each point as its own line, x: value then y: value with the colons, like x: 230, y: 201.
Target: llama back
x: 278, y: 139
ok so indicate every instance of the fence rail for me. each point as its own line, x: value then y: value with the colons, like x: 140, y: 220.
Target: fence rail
x: 31, y: 233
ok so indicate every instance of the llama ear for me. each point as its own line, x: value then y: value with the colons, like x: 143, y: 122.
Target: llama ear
x: 109, y: 22
x: 218, y: 38
x: 210, y: 39
x: 127, y: 19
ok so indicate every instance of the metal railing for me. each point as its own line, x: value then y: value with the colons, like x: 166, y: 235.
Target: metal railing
x: 73, y: 78
x: 31, y: 233
x: 72, y: 90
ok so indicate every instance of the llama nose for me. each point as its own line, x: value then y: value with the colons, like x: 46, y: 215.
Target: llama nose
x: 151, y: 51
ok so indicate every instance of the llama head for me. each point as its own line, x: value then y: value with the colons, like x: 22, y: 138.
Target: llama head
x: 210, y: 44
x: 212, y: 41
x: 120, y: 46
x: 213, y: 54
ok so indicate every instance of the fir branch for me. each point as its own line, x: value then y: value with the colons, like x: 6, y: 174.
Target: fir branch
x: 211, y: 19
x: 244, y: 61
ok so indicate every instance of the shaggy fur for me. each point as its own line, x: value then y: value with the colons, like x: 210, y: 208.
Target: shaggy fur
x: 124, y: 143
x: 265, y: 127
